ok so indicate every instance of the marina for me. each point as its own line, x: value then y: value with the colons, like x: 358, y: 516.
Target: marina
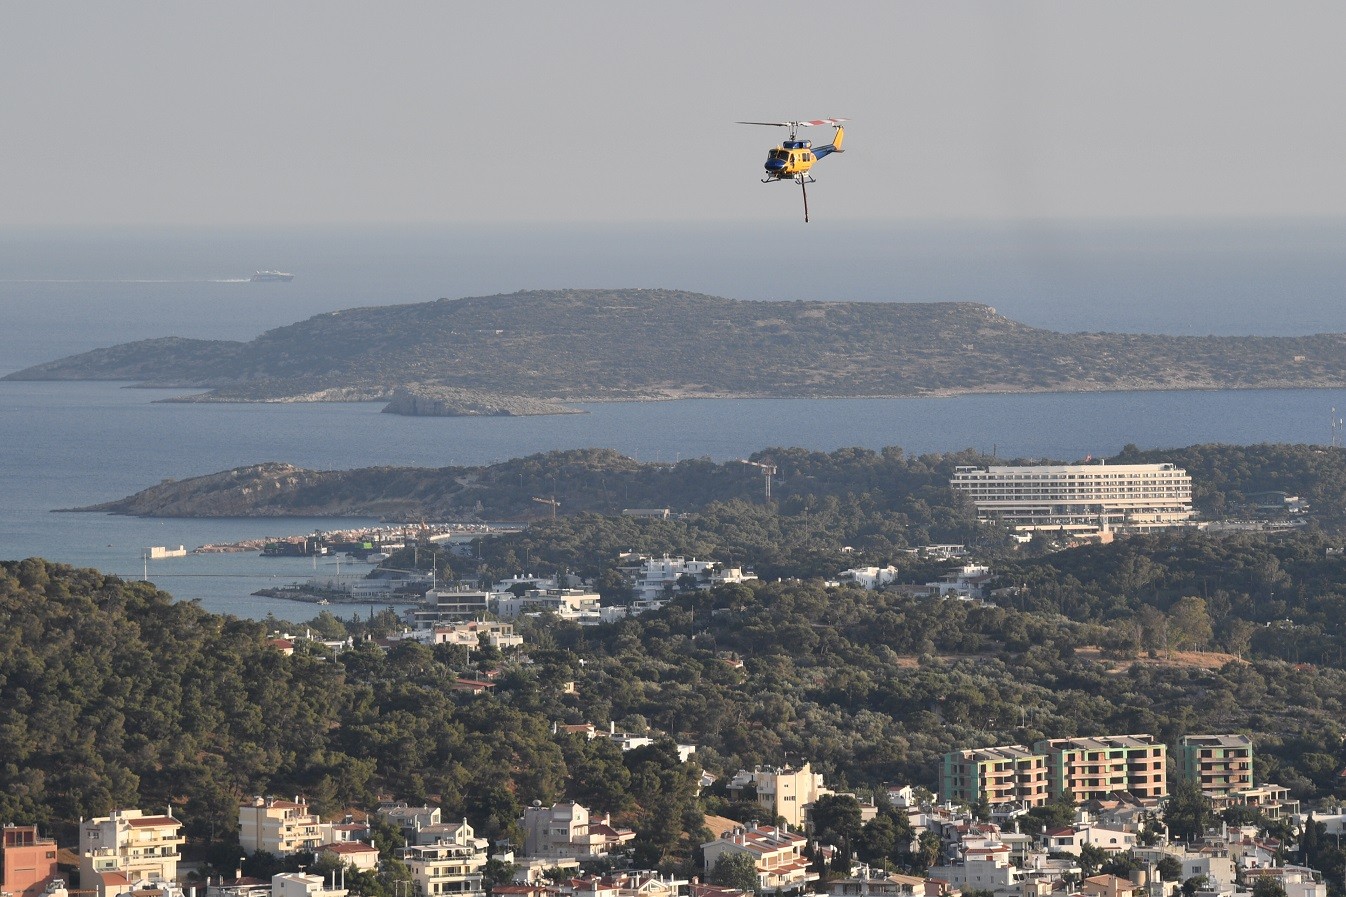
x: 364, y: 543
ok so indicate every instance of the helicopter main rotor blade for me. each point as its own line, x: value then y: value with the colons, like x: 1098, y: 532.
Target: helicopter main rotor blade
x: 795, y: 124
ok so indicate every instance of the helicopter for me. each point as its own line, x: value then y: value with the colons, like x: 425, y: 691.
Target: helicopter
x: 794, y: 157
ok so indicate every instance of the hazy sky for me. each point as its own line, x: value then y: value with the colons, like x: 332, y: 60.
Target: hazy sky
x: 274, y: 113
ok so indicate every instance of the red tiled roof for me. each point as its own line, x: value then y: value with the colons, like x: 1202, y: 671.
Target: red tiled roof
x: 349, y: 847
x: 771, y: 833
x: 607, y: 831
x: 146, y: 821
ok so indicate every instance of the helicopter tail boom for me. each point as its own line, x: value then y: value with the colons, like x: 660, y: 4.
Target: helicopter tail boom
x: 833, y: 147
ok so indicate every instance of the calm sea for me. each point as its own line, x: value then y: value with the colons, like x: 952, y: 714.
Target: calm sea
x: 76, y: 443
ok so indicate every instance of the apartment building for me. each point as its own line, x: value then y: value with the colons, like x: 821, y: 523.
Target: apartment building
x: 1271, y: 800
x: 27, y: 861
x: 655, y: 580
x: 776, y: 852
x: 1080, y: 499
x: 566, y: 831
x: 580, y: 605
x: 280, y: 827
x: 1298, y: 881
x: 1219, y: 764
x: 409, y: 819
x: 1089, y: 768
x: 128, y: 846
x: 999, y: 775
x: 472, y: 634
x: 451, y: 865
x: 450, y: 606
x: 988, y: 868
x: 783, y: 791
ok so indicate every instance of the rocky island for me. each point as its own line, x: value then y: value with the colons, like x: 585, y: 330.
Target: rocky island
x: 504, y: 354
x: 422, y: 400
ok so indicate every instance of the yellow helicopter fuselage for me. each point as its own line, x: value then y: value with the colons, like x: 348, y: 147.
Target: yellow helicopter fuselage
x: 790, y: 160
x: 793, y: 158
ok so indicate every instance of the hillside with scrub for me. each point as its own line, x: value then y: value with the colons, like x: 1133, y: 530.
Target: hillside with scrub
x: 590, y: 345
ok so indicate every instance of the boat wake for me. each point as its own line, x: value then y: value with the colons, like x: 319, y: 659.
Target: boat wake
x: 128, y: 280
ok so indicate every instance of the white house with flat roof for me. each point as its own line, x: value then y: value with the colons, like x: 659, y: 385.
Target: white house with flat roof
x: 301, y: 884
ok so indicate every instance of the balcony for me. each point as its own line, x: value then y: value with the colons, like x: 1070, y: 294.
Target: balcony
x: 103, y: 852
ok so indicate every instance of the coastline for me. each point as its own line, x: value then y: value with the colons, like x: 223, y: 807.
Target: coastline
x: 142, y: 444
x: 355, y: 396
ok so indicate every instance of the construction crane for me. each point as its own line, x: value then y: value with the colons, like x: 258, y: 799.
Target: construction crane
x: 767, y: 471
x: 548, y: 501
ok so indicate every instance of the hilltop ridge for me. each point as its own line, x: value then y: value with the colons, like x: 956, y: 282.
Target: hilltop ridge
x: 572, y: 345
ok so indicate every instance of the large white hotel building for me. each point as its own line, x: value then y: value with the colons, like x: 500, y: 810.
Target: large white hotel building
x: 1080, y: 498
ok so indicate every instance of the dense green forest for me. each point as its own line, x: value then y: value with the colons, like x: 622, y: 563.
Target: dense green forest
x: 111, y: 695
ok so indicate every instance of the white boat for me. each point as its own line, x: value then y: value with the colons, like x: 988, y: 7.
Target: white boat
x: 268, y: 276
